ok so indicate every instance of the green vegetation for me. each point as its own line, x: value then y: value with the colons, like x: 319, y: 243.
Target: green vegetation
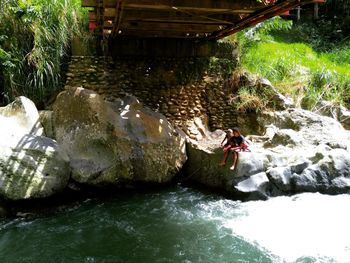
x: 250, y: 100
x: 308, y: 61
x: 34, y: 41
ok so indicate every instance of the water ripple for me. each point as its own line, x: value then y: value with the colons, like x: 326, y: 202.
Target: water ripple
x: 184, y: 225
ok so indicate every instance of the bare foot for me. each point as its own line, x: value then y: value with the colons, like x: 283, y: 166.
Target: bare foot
x: 222, y: 164
x: 232, y: 167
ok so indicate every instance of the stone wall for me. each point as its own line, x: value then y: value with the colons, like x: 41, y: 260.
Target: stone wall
x: 181, y: 89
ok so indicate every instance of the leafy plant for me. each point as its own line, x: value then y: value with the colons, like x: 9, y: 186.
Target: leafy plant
x: 34, y: 39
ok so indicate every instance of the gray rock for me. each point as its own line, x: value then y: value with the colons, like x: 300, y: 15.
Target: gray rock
x: 344, y: 117
x: 45, y: 119
x: 340, y: 113
x: 280, y: 178
x: 203, y: 166
x: 285, y: 137
x: 312, y: 179
x: 35, y: 168
x: 114, y: 143
x: 326, y: 108
x: 204, y: 157
x: 254, y: 187
x: 311, y: 128
x: 300, y: 166
x: 301, y: 151
x: 328, y: 174
x: 249, y: 163
x: 31, y: 166
x: 280, y: 102
x: 18, y: 118
x: 339, y: 163
x: 340, y: 185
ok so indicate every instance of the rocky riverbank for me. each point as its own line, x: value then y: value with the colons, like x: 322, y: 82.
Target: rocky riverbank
x: 300, y: 152
x: 92, y: 141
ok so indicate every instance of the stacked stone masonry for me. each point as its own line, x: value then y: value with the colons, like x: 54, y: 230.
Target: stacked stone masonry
x: 178, y: 88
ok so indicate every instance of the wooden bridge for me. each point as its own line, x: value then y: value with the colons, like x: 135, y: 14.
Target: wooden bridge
x: 188, y: 19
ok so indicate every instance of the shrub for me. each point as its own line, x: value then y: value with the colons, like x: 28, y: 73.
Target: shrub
x: 34, y: 39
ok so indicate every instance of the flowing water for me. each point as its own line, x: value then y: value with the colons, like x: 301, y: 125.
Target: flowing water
x: 184, y: 225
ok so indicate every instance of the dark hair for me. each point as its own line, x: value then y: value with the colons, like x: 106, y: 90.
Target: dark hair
x: 235, y: 129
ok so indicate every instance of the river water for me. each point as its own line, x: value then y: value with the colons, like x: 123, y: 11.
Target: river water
x: 184, y: 225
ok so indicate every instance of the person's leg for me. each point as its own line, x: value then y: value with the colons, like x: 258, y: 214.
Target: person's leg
x: 235, y: 158
x: 226, y: 151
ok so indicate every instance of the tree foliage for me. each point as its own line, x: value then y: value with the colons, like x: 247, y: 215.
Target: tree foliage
x: 34, y: 38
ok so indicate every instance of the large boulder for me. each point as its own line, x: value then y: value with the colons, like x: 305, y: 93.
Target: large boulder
x: 116, y: 142
x: 31, y: 165
x: 247, y: 181
x: 301, y: 151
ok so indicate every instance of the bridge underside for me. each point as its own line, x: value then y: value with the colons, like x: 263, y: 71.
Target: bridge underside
x: 189, y: 19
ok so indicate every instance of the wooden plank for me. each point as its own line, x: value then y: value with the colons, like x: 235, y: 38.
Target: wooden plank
x: 155, y: 34
x: 190, y: 9
x: 171, y: 15
x: 169, y: 23
x: 193, y: 5
x: 160, y: 34
x: 178, y: 17
x: 110, y: 12
x: 178, y: 21
x: 172, y: 18
x: 208, y: 4
x: 186, y: 28
x: 92, y: 3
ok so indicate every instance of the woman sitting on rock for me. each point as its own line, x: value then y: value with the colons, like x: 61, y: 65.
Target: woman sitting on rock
x: 235, y: 143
